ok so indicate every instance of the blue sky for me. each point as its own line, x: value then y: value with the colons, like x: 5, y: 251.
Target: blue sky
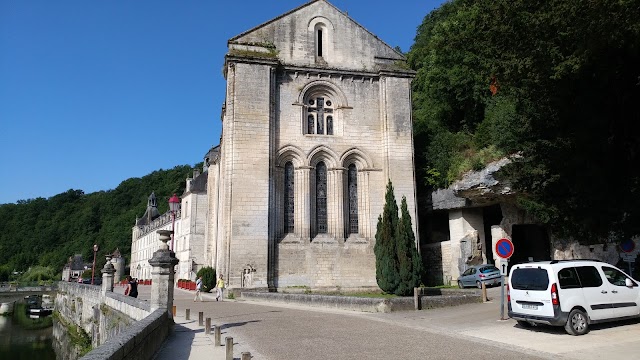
x: 95, y: 92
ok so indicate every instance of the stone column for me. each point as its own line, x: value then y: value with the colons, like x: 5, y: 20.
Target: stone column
x: 336, y: 199
x: 107, y: 276
x: 302, y: 207
x: 162, y: 275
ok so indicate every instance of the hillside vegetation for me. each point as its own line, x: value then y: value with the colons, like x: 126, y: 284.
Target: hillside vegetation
x: 555, y: 81
x: 47, y: 232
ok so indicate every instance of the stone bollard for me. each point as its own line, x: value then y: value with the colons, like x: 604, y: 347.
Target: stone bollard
x: 163, y: 263
x: 229, y: 347
x: 187, y: 314
x: 216, y: 335
x: 200, y: 318
x: 207, y: 326
x: 107, y: 277
x: 246, y: 356
x: 484, y: 293
x: 173, y: 310
x: 416, y: 298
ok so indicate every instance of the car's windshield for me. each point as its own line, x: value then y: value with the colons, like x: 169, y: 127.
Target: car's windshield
x: 530, y: 279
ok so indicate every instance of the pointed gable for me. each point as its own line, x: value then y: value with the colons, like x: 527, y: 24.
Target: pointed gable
x: 316, y: 34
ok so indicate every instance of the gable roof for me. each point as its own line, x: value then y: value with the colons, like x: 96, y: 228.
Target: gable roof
x: 254, y: 29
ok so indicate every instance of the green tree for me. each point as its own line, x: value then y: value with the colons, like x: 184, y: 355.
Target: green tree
x: 555, y: 82
x: 409, y: 261
x: 208, y: 278
x: 385, y: 248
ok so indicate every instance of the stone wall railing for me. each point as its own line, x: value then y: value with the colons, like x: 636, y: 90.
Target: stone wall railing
x: 122, y: 327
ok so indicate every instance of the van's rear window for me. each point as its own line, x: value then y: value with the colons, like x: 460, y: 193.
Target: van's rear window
x: 529, y: 279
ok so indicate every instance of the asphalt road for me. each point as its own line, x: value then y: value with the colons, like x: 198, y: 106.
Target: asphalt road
x: 474, y: 331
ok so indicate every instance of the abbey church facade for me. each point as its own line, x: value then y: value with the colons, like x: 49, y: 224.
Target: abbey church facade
x: 316, y: 121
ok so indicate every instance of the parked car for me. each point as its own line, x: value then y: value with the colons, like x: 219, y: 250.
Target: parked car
x: 478, y: 274
x: 571, y: 293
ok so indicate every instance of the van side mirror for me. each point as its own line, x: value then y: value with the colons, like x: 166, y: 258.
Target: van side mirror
x: 629, y: 283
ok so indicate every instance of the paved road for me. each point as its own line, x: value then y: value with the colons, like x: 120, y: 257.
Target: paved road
x: 469, y: 331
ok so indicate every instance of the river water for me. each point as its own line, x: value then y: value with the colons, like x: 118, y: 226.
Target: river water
x: 19, y: 343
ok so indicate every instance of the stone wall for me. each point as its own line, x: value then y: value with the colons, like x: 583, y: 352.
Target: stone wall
x: 102, y: 317
x: 345, y: 265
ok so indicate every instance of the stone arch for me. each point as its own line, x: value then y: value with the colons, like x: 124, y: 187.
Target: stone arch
x: 357, y: 157
x: 290, y: 153
x: 323, y: 87
x: 322, y: 153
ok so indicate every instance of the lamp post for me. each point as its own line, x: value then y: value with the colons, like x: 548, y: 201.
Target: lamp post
x: 174, y: 205
x: 93, y: 269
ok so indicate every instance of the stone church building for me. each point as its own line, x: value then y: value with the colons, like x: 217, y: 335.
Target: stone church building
x: 317, y: 119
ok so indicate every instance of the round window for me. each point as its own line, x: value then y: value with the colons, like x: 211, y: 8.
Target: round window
x: 328, y: 102
x: 311, y: 102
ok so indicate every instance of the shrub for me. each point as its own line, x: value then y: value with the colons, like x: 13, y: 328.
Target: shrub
x: 208, y: 278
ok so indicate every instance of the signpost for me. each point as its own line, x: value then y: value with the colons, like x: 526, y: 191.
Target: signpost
x: 628, y: 253
x: 504, y: 250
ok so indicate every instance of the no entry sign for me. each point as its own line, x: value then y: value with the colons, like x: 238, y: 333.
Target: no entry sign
x: 504, y: 248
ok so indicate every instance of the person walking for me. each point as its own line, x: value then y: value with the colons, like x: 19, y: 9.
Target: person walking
x: 219, y: 288
x: 132, y: 287
x: 198, y: 289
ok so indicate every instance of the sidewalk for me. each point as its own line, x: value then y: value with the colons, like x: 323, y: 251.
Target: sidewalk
x: 189, y: 340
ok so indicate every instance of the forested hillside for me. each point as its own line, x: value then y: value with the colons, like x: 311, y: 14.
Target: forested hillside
x: 48, y: 231
x: 556, y: 82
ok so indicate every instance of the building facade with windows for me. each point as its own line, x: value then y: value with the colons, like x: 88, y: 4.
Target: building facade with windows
x: 316, y: 121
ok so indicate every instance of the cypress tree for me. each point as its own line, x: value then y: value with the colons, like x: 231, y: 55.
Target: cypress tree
x: 385, y: 249
x: 409, y: 261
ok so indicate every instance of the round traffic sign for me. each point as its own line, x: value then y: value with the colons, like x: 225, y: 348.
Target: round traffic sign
x: 627, y: 246
x: 504, y: 248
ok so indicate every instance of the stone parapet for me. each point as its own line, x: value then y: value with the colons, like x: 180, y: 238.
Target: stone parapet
x: 141, y: 340
x: 428, y: 300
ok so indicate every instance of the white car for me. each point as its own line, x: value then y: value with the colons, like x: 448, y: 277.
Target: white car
x: 571, y: 293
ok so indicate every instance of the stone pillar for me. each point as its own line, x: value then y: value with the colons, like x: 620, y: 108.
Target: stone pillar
x: 162, y: 275
x: 302, y: 207
x: 107, y: 276
x: 335, y: 203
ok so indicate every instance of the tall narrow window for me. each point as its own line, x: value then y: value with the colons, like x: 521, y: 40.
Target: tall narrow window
x: 288, y: 197
x: 319, y: 43
x: 353, y: 199
x: 310, y: 124
x: 329, y: 125
x: 321, y: 198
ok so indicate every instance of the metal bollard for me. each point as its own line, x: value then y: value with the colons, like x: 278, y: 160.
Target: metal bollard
x: 200, y: 318
x: 187, y: 314
x: 207, y: 326
x: 229, y: 347
x: 173, y: 311
x: 246, y: 356
x: 216, y: 335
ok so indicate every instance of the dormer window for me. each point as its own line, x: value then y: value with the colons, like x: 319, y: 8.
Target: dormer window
x: 320, y: 115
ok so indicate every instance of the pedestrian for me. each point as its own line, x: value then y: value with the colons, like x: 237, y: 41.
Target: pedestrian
x: 219, y: 288
x: 198, y: 289
x: 132, y: 287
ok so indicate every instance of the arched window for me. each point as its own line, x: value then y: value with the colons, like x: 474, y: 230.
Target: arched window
x: 319, y: 115
x: 288, y: 197
x: 321, y: 198
x: 353, y: 199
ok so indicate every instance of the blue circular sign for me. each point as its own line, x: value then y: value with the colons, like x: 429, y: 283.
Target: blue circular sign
x: 504, y: 248
x: 627, y: 246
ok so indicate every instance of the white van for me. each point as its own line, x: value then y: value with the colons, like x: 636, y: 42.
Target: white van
x: 571, y: 293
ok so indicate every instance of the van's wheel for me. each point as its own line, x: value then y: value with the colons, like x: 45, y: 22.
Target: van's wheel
x: 460, y: 284
x: 578, y: 323
x: 478, y: 284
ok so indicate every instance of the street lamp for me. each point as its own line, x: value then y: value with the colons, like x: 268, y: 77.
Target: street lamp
x: 93, y: 269
x: 174, y: 206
